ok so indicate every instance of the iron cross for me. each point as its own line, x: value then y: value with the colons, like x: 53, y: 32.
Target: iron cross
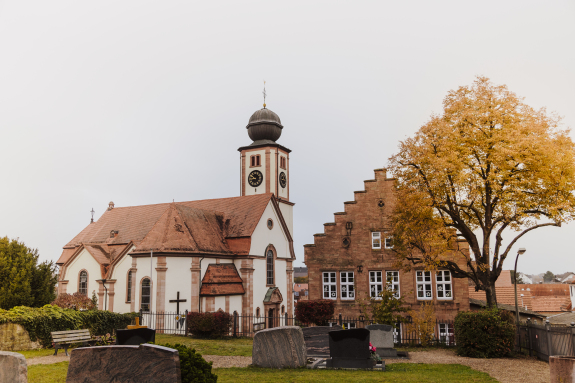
x: 265, y: 94
x: 177, y: 302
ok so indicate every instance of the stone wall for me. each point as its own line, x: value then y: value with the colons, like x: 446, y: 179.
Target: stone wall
x: 13, y: 337
x: 370, y: 211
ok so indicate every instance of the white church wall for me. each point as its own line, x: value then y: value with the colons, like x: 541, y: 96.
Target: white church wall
x: 283, y: 192
x: 84, y: 261
x: 220, y: 303
x: 120, y: 274
x: 260, y: 287
x: 287, y: 213
x: 178, y: 278
x: 143, y: 265
x: 236, y: 304
x: 281, y: 279
x: 262, y: 168
x: 262, y: 236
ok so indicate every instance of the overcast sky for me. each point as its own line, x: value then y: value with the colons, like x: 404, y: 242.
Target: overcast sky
x: 142, y: 102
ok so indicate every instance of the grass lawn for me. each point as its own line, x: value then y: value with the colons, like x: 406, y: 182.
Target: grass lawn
x: 48, y: 373
x: 229, y: 346
x: 40, y: 352
x: 400, y: 372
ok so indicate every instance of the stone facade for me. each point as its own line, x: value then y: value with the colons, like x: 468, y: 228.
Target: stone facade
x: 13, y: 337
x: 346, y: 247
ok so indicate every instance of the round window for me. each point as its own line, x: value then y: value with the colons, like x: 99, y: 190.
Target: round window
x: 270, y: 224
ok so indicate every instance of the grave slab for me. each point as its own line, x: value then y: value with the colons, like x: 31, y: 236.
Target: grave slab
x: 317, y: 340
x: 381, y: 337
x: 13, y: 367
x: 134, y: 337
x: 349, y: 349
x: 127, y: 364
x: 279, y: 347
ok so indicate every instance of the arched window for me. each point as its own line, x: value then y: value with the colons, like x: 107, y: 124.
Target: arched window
x: 283, y: 309
x: 270, y: 267
x: 129, y: 287
x: 83, y: 283
x: 146, y: 293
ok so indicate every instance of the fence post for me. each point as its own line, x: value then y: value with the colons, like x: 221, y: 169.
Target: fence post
x: 340, y: 320
x: 186, y: 324
x: 530, y: 342
x: 286, y: 319
x: 549, y: 345
x: 572, y: 338
x: 235, y: 323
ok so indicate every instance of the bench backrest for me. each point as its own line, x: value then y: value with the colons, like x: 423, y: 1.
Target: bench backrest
x: 70, y: 336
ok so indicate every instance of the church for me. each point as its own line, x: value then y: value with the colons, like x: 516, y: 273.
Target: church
x: 233, y: 254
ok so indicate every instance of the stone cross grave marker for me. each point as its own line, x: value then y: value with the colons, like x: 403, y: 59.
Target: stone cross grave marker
x: 177, y: 301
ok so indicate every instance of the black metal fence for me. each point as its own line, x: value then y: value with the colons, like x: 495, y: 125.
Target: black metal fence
x: 249, y: 325
x: 545, y: 340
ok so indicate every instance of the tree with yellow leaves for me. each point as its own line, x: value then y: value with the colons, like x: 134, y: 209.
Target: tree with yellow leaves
x: 488, y: 165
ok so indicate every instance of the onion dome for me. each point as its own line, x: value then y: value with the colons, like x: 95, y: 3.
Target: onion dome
x: 264, y: 125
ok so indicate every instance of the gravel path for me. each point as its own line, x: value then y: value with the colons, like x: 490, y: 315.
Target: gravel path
x: 505, y: 370
x: 61, y: 357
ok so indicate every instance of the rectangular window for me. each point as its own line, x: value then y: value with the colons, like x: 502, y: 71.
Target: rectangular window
x: 375, y: 284
x: 392, y: 279
x: 388, y: 244
x: 329, y: 285
x: 129, y: 292
x: 376, y: 240
x: 346, y: 284
x: 423, y: 281
x: 255, y: 160
x: 443, y: 279
x: 446, y: 334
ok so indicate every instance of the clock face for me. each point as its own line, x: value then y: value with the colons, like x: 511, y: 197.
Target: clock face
x: 255, y: 178
x: 283, y: 179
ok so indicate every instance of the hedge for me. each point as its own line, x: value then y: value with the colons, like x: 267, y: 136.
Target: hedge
x: 193, y: 366
x: 41, y: 321
x: 484, y: 334
x: 209, y: 325
x: 317, y: 312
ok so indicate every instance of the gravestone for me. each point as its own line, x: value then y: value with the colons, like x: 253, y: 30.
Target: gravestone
x: 279, y: 347
x: 381, y: 337
x: 349, y: 349
x: 13, y: 367
x: 317, y: 340
x: 127, y: 364
x: 134, y: 337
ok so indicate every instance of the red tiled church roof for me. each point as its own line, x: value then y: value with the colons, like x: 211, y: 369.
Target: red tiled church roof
x: 221, y: 279
x: 234, y: 217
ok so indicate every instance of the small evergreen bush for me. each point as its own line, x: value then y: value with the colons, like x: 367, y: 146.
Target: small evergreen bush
x: 194, y: 368
x: 317, y: 312
x: 40, y: 322
x: 484, y: 334
x: 209, y: 325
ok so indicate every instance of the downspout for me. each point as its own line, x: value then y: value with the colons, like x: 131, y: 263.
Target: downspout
x: 277, y: 173
x: 199, y: 296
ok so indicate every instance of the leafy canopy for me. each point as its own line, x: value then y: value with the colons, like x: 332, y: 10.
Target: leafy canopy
x: 488, y: 165
x: 385, y: 309
x: 24, y: 282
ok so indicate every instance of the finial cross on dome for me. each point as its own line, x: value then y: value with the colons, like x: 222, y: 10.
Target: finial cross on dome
x: 264, y: 92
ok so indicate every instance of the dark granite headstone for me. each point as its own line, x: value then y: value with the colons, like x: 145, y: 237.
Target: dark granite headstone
x: 127, y: 364
x: 317, y: 340
x: 349, y: 349
x: 135, y: 337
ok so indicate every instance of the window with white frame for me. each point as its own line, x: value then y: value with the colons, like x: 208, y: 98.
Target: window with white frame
x: 329, y: 285
x: 375, y: 284
x: 392, y: 279
x: 83, y: 284
x: 443, y: 288
x: 375, y: 240
x: 388, y: 244
x: 346, y: 285
x: 446, y: 334
x: 423, y: 282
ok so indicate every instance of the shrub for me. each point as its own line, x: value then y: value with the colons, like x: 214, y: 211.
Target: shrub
x: 423, y: 323
x: 209, y: 325
x: 40, y: 322
x: 75, y: 301
x: 317, y: 312
x: 194, y: 368
x: 484, y: 334
x: 385, y: 309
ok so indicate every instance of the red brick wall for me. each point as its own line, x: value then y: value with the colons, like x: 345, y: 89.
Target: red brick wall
x: 328, y: 253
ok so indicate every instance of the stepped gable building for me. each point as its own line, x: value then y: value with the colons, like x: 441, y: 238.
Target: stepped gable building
x: 229, y: 253
x: 352, y: 259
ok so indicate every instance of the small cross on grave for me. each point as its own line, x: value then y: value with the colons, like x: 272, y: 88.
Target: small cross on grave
x: 177, y: 302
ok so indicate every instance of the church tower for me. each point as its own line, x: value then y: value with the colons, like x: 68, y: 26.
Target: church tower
x: 265, y: 163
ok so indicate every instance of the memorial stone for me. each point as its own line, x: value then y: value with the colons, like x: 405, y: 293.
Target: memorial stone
x: 13, y: 367
x: 127, y: 364
x: 349, y: 349
x: 317, y: 339
x: 134, y: 337
x: 381, y: 337
x: 280, y: 347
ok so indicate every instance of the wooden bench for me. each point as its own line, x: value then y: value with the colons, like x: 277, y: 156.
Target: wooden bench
x: 63, y: 339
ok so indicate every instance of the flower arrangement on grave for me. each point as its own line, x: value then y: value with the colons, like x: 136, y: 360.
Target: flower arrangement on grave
x: 372, y: 350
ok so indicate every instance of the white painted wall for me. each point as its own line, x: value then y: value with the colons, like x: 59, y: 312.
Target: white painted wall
x: 179, y: 278
x: 120, y: 274
x: 263, y: 236
x: 143, y: 266
x: 283, y: 192
x: 287, y: 213
x: 84, y: 261
x: 260, y: 287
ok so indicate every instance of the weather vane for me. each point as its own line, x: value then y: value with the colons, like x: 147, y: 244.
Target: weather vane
x: 92, y: 221
x: 264, y: 92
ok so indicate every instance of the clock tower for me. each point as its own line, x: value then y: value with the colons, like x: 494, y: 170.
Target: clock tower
x: 264, y: 163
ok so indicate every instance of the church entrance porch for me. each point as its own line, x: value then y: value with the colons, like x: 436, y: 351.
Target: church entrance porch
x: 272, y: 302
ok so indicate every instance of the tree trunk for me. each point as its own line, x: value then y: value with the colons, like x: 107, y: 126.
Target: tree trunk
x: 491, y: 295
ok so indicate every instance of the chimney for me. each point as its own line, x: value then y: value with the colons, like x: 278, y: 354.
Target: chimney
x: 110, y: 205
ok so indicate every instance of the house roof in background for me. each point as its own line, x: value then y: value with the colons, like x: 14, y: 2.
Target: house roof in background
x: 522, y: 310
